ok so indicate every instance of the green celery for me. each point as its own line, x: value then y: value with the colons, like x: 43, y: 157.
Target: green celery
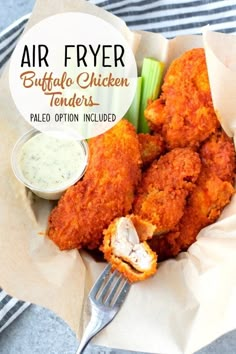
x: 152, y: 73
x: 132, y: 114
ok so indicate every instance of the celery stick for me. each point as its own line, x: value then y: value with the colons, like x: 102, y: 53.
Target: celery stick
x: 132, y: 114
x: 152, y: 72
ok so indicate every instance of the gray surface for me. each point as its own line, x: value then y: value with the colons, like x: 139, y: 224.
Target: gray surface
x: 37, y: 330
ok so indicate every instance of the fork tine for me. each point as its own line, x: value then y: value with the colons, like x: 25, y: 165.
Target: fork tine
x: 115, y: 287
x: 122, y: 295
x: 107, y: 286
x: 100, y: 281
x: 114, y: 290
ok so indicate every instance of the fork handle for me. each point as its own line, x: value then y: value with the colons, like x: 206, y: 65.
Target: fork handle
x: 95, y: 325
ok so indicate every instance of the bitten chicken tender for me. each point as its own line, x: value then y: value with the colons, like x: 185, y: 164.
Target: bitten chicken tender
x: 165, y: 185
x: 151, y: 147
x: 184, y: 113
x: 124, y: 251
x: 214, y: 189
x: 106, y: 191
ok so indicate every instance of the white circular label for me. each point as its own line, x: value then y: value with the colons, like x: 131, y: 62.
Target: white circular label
x: 73, y: 72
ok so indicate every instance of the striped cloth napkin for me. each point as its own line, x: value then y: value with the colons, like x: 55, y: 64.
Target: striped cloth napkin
x: 171, y: 18
x: 10, y: 308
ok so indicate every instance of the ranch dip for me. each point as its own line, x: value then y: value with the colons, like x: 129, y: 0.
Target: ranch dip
x: 49, y: 163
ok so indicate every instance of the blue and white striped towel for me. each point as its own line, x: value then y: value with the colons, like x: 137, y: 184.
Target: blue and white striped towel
x: 171, y: 18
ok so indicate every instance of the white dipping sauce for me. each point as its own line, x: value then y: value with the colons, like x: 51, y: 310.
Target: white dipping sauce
x: 48, y: 163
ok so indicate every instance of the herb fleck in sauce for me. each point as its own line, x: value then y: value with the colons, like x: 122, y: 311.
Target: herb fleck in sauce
x: 49, y: 163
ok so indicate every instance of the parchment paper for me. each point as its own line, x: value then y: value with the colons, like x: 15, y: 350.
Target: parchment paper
x: 191, y: 299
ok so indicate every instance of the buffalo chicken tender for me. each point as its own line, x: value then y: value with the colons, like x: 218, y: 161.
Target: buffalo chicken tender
x: 165, y: 185
x: 184, y: 113
x: 204, y: 206
x: 214, y: 189
x: 106, y: 191
x: 124, y: 251
x: 218, y: 156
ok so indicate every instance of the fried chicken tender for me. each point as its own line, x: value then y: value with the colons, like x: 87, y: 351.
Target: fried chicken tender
x: 162, y: 208
x: 184, y: 113
x: 214, y: 189
x: 218, y: 156
x: 124, y: 251
x: 151, y: 147
x: 165, y: 185
x: 204, y: 206
x: 106, y: 191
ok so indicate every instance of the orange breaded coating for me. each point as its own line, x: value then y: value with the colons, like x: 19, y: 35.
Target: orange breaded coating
x: 162, y: 208
x: 165, y: 185
x: 184, y: 113
x: 214, y: 189
x: 218, y: 156
x: 106, y: 191
x: 204, y: 207
x: 124, y: 251
x: 151, y: 147
x: 145, y: 229
x: 177, y: 169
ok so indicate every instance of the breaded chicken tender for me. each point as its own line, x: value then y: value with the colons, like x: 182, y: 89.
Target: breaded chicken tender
x: 165, y: 185
x: 151, y: 147
x: 184, y: 113
x: 162, y: 208
x: 218, y: 156
x: 106, y: 191
x: 204, y: 206
x: 214, y: 189
x: 124, y: 251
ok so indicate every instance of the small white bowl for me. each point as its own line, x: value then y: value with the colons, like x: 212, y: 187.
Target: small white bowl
x: 53, y: 193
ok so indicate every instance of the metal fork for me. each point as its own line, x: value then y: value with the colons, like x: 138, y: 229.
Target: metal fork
x: 106, y: 298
